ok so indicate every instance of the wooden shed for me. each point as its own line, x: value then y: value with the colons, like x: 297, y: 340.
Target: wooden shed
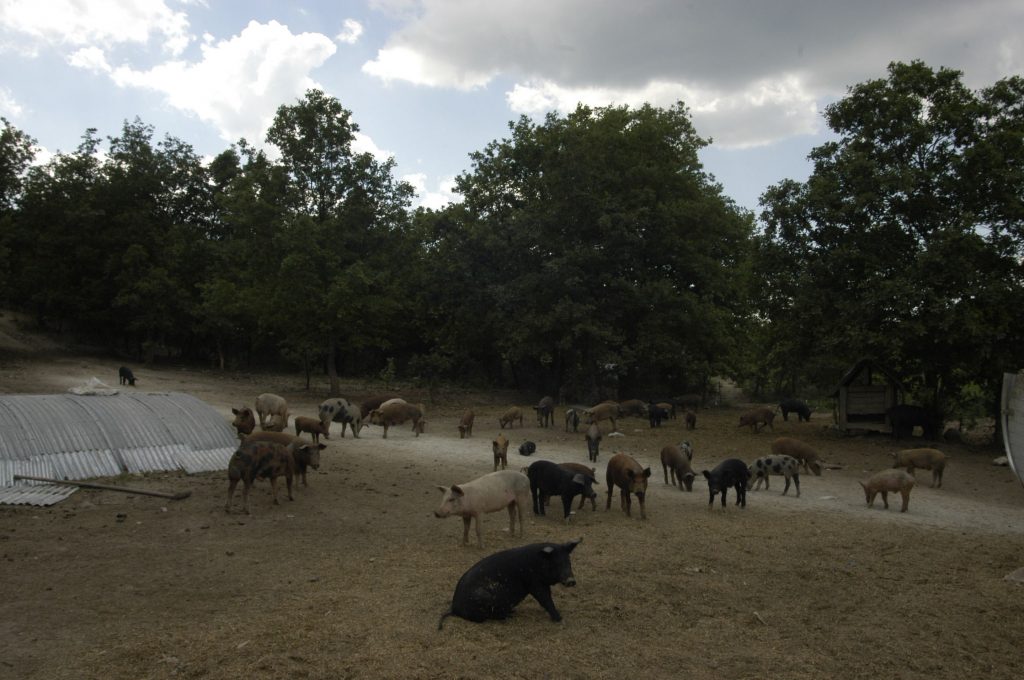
x: 863, y: 396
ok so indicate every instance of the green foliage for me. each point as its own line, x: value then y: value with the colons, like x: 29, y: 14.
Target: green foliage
x: 898, y: 246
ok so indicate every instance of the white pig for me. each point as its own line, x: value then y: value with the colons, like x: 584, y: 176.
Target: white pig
x: 489, y: 493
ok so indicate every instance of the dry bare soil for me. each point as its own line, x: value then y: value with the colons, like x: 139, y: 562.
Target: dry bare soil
x: 348, y: 580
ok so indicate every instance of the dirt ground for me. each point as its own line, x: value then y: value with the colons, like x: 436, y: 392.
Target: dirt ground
x: 349, y: 579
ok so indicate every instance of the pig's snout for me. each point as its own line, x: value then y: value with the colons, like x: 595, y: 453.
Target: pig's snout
x: 570, y: 581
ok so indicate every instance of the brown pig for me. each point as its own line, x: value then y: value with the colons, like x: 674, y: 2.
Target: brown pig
x: 255, y: 460
x: 490, y: 493
x: 397, y: 413
x: 466, y: 425
x: 805, y: 453
x: 510, y: 417
x: 500, y: 449
x: 305, y: 454
x: 244, y: 422
x: 313, y: 426
x: 925, y: 459
x: 606, y: 411
x: 677, y: 460
x: 631, y: 478
x: 593, y: 437
x: 885, y: 481
x: 757, y: 418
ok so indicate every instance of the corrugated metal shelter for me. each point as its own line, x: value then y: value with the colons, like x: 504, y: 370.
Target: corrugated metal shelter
x: 71, y: 437
x: 864, y: 395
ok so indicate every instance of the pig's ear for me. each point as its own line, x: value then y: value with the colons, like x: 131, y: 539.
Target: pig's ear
x: 547, y: 550
x: 647, y: 472
x: 321, y: 446
x: 579, y: 479
x: 444, y: 489
x: 705, y: 473
x: 457, y: 491
x: 572, y: 544
x: 235, y: 411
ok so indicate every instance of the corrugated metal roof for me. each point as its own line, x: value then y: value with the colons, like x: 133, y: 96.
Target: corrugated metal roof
x: 28, y: 492
x: 78, y: 437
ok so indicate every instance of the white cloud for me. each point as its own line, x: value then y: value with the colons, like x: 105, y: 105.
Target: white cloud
x: 364, y: 144
x: 435, y: 200
x: 104, y: 22
x: 752, y: 73
x: 9, y: 107
x: 240, y: 82
x: 350, y: 33
x: 90, y: 58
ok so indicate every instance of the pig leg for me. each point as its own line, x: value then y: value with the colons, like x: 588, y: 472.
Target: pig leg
x: 583, y: 499
x: 885, y: 498
x: 741, y: 494
x: 787, y: 486
x: 385, y: 430
x: 466, y: 519
x: 610, y: 491
x: 479, y: 532
x: 543, y: 595
x: 664, y: 469
x: 512, y: 519
x: 725, y: 491
x: 643, y: 509
x: 273, y: 488
x: 288, y: 483
x: 246, y: 486
x: 231, y: 492
x: 906, y: 499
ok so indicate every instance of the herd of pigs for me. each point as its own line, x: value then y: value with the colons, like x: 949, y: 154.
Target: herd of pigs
x: 496, y: 584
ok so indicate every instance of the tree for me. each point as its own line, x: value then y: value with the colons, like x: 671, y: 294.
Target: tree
x: 348, y: 212
x: 904, y: 242
x: 595, y: 242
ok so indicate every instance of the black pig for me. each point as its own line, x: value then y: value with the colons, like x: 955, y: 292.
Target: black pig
x: 125, y: 376
x: 730, y: 472
x: 551, y: 479
x: 496, y: 584
x: 796, y: 406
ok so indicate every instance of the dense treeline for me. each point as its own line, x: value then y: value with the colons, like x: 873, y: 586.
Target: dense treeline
x: 592, y: 254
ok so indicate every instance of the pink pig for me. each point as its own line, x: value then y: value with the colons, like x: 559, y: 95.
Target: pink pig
x: 489, y: 493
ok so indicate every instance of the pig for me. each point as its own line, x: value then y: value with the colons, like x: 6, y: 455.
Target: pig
x: 690, y: 401
x: 796, y: 406
x: 510, y: 417
x: 551, y: 479
x: 606, y: 411
x: 341, y: 411
x: 572, y: 418
x: 253, y: 460
x: 499, y: 446
x: 904, y: 417
x: 677, y: 460
x: 527, y: 448
x: 270, y: 405
x: 311, y: 425
x: 466, y: 424
x: 589, y: 472
x: 593, y: 437
x: 925, y: 459
x: 808, y: 457
x: 506, y: 489
x: 492, y: 587
x: 885, y: 481
x: 125, y: 376
x: 545, y: 412
x: 669, y: 408
x: 275, y: 423
x: 731, y: 472
x: 244, y: 422
x: 630, y: 477
x: 397, y: 413
x: 656, y: 414
x: 374, y: 402
x: 305, y: 454
x: 633, y: 407
x: 758, y: 417
x: 691, y: 420
x: 787, y: 466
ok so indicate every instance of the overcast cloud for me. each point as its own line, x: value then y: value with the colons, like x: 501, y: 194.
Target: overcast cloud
x: 430, y: 81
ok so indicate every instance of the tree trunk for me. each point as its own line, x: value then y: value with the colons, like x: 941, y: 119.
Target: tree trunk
x: 332, y: 367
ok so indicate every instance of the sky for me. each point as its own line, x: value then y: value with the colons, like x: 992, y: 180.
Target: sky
x: 429, y: 82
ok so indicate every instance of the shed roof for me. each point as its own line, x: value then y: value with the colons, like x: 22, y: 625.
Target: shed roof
x: 860, y: 366
x: 73, y: 437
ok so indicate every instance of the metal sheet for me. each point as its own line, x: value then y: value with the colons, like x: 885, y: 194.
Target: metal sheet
x: 1013, y: 421
x: 30, y: 492
x: 205, y: 461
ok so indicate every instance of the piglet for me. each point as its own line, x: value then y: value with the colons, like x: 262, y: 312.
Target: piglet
x: 496, y: 584
x: 925, y: 459
x: 730, y: 472
x: 885, y: 481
